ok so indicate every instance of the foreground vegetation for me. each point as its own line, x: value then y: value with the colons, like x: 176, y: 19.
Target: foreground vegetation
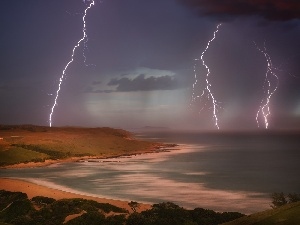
x: 280, y: 199
x: 288, y: 214
x: 28, y: 143
x: 17, y: 209
x: 285, y: 211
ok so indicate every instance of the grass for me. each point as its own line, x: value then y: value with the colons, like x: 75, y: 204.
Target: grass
x: 17, y: 155
x: 34, y: 143
x: 285, y: 215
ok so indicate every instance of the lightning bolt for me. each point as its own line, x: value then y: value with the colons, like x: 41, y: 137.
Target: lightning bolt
x: 269, y: 88
x: 207, y: 90
x: 83, y: 39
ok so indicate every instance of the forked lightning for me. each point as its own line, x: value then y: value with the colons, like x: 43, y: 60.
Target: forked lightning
x: 83, y: 39
x: 207, y: 91
x: 269, y: 88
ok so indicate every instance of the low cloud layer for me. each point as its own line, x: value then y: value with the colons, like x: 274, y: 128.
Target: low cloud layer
x: 90, y: 89
x: 143, y: 83
x: 229, y: 9
x: 96, y: 82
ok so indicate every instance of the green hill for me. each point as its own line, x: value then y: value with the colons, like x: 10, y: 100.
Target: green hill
x: 28, y: 143
x: 285, y: 215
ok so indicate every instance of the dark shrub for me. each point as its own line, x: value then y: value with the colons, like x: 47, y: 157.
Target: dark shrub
x: 43, y: 200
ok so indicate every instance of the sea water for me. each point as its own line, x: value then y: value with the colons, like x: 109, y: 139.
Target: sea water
x: 219, y: 171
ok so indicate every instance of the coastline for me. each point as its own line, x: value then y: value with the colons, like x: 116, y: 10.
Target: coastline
x: 154, y: 149
x: 204, y: 195
x: 32, y: 190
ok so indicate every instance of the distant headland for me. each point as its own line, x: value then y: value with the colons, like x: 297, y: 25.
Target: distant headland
x: 30, y: 145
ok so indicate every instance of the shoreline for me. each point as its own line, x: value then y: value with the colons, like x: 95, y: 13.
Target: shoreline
x: 247, y: 208
x: 32, y: 190
x: 155, y: 149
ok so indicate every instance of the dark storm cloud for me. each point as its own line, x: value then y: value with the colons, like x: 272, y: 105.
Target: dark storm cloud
x: 3, y: 87
x: 97, y: 82
x: 230, y: 9
x: 141, y: 83
x: 90, y: 89
x: 101, y: 91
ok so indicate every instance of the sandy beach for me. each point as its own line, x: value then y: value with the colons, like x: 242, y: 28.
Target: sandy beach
x: 33, y: 190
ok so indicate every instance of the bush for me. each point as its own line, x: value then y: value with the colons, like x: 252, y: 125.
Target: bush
x: 106, y: 207
x: 137, y: 219
x: 293, y: 197
x: 7, y: 197
x: 116, y: 220
x: 17, y: 209
x: 278, y: 199
x: 43, y: 200
x: 90, y: 218
x: 169, y: 213
x: 133, y: 205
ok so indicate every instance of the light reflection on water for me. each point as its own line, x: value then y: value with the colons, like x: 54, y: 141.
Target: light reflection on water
x: 230, y: 173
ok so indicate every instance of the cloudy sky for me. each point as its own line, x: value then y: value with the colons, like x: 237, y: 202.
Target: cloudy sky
x: 140, y: 65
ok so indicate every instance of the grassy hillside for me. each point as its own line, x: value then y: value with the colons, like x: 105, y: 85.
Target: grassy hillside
x: 29, y: 143
x: 285, y: 215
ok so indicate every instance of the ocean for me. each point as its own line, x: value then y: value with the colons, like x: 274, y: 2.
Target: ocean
x: 219, y: 171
